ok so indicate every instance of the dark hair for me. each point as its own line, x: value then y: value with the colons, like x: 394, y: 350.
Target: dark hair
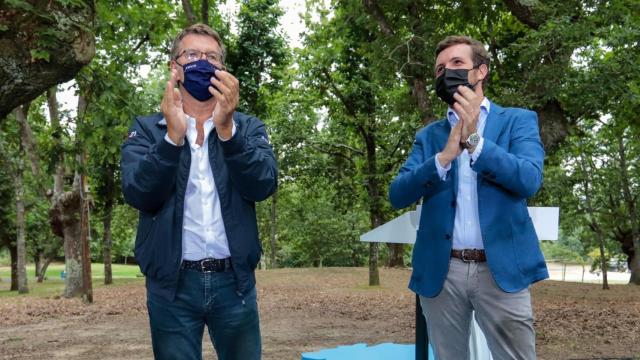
x: 479, y: 55
x: 197, y: 29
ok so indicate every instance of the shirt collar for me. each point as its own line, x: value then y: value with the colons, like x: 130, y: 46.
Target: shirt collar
x: 192, y: 132
x: 453, y: 117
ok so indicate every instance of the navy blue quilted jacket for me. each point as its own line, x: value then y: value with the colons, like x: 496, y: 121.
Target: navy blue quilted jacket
x: 154, y: 180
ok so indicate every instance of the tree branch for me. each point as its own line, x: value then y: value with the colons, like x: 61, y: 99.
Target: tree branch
x: 523, y: 11
x: 372, y: 7
x: 340, y: 146
x: 333, y: 153
x: 26, y: 136
x: 144, y: 39
x: 205, y: 12
x: 339, y: 94
x: 188, y: 12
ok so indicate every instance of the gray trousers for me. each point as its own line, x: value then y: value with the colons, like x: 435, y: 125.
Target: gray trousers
x: 506, y: 319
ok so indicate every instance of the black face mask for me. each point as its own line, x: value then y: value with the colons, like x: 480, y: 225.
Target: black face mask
x: 447, y: 83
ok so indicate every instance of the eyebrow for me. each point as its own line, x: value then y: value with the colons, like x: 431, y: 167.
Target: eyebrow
x: 452, y: 59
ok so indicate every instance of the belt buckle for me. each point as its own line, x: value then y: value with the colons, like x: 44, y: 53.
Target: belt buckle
x: 202, y: 265
x: 464, y: 257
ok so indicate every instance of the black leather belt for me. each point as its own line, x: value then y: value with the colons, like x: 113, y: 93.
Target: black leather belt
x: 468, y: 255
x: 207, y: 265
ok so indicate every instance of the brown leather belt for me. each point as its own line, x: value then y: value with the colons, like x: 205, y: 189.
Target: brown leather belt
x: 468, y: 255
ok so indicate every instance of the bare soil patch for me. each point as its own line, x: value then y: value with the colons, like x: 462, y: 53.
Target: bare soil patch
x: 311, y: 309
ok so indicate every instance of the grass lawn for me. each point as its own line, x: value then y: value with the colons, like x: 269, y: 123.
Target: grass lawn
x: 54, y: 285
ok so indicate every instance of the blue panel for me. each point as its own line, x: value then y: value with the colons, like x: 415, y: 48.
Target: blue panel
x: 385, y: 351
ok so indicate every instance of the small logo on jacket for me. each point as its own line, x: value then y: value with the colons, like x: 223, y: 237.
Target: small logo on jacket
x: 133, y: 134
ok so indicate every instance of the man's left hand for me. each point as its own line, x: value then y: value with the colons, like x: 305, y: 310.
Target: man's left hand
x: 227, y: 95
x: 467, y: 106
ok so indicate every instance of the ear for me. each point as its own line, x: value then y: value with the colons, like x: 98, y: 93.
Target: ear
x: 484, y: 70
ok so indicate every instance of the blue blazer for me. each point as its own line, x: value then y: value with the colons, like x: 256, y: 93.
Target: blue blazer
x: 509, y: 171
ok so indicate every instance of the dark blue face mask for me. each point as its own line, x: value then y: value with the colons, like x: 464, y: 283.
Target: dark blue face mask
x: 197, y: 78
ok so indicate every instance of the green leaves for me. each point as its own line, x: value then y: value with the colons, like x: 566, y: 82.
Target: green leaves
x: 37, y: 54
x: 19, y: 4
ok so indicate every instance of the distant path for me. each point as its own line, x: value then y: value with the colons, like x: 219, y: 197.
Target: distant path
x: 573, y: 273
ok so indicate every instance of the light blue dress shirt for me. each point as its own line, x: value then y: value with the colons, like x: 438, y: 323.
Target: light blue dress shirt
x: 466, y: 228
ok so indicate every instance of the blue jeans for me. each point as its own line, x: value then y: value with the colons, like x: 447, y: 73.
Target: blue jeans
x: 205, y: 298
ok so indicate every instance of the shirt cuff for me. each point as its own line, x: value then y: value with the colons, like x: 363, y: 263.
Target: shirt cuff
x: 442, y: 171
x: 168, y: 139
x: 476, y: 153
x: 233, y: 132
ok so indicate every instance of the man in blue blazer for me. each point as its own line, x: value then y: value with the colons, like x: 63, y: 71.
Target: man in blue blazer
x: 476, y: 248
x: 194, y: 172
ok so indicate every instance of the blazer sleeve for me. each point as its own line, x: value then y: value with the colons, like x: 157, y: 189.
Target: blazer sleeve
x: 519, y: 169
x: 148, y: 169
x: 251, y: 162
x: 418, y: 177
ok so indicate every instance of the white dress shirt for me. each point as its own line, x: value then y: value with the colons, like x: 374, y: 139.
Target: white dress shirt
x: 466, y: 228
x: 203, y: 232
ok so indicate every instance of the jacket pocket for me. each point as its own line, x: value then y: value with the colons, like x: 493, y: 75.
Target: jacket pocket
x: 525, y: 246
x: 143, y: 248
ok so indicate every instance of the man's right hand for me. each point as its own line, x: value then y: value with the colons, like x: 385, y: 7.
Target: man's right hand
x: 453, y: 149
x: 171, y: 107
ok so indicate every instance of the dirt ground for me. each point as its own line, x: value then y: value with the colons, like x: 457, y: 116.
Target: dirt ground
x: 312, y: 309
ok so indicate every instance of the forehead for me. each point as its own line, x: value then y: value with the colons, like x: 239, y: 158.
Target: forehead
x: 199, y: 42
x: 462, y: 51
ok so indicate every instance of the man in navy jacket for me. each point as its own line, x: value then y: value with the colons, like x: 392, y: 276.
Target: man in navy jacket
x: 194, y: 172
x: 476, y: 247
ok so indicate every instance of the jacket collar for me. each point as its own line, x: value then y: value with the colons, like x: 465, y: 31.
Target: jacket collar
x: 493, y: 127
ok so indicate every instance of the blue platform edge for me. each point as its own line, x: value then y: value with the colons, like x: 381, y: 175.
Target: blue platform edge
x: 386, y: 351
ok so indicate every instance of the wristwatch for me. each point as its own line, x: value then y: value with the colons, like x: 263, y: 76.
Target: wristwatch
x: 472, y: 141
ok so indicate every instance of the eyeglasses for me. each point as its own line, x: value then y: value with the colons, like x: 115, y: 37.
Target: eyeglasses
x: 194, y: 55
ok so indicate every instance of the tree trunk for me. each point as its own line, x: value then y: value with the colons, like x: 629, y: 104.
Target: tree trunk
x: 603, y: 261
x: 13, y: 252
x: 58, y: 180
x: 43, y: 271
x: 631, y: 209
x: 274, y: 230
x: 37, y: 263
x: 21, y: 261
x: 396, y: 255
x: 591, y: 213
x: 83, y: 191
x: 375, y: 208
x: 65, y: 216
x: 87, y: 285
x: 374, y: 274
x: 106, y: 243
x: 23, y: 288
x: 635, y: 269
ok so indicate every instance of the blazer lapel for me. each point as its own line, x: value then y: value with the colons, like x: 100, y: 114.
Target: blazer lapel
x: 495, y: 123
x: 492, y: 129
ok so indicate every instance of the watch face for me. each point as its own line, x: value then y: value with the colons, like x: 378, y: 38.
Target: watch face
x: 473, y: 139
